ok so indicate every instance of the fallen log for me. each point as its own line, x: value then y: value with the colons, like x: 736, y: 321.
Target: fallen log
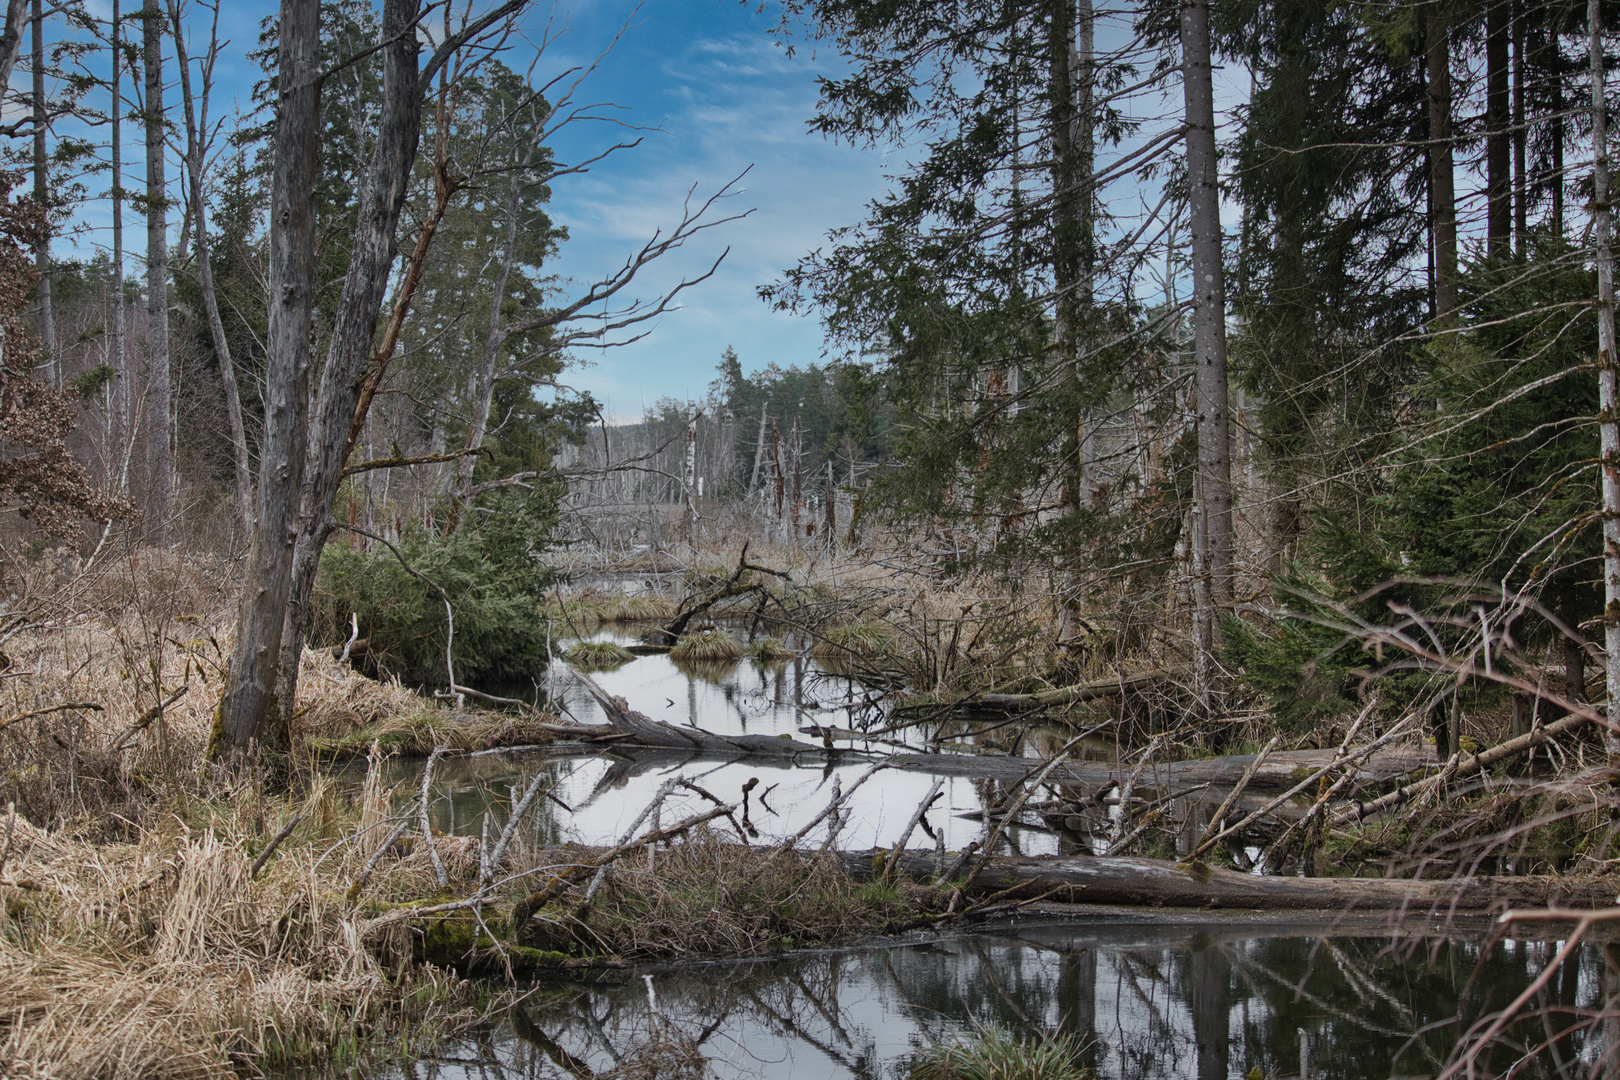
x: 637, y: 729
x: 1112, y: 686
x: 1279, y: 771
x: 1159, y: 883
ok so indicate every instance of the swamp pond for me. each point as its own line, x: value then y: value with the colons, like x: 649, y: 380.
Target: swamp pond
x: 1149, y: 994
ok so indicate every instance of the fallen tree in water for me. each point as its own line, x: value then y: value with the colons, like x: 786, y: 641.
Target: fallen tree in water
x: 630, y: 727
x: 1127, y: 880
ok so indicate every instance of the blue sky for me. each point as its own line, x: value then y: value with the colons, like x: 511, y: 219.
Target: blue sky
x: 717, y: 94
x: 724, y: 97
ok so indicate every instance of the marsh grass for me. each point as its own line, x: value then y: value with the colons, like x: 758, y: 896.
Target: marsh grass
x: 645, y: 607
x: 990, y: 1053
x: 861, y: 638
x: 770, y: 649
x: 419, y: 732
x: 599, y: 655
x: 707, y: 645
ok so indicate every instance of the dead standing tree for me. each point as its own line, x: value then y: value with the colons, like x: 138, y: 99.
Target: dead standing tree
x: 303, y: 463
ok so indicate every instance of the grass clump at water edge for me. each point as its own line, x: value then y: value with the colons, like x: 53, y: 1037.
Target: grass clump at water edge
x: 770, y: 648
x: 599, y: 655
x: 989, y: 1053
x: 863, y: 638
x: 643, y: 608
x: 708, y: 645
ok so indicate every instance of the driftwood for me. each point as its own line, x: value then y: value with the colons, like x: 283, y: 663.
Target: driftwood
x: 1159, y: 883
x: 636, y: 729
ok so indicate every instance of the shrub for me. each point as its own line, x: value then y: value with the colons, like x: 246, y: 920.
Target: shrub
x: 491, y: 572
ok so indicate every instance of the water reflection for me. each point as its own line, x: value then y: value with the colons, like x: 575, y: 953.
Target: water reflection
x: 1152, y: 1001
x: 605, y: 794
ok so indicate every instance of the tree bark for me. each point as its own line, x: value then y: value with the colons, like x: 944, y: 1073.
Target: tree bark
x: 42, y: 195
x: 120, y: 365
x: 381, y: 198
x: 1157, y: 882
x: 250, y: 711
x: 1498, y: 136
x: 159, y: 430
x: 1608, y: 391
x: 1521, y: 209
x: 1442, y: 182
x: 196, y: 118
x: 1209, y: 297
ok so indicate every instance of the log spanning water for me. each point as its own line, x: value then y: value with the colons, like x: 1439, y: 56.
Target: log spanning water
x: 1133, y: 881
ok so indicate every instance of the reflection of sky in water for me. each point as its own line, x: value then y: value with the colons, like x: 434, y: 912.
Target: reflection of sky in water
x: 728, y: 698
x: 1153, y: 1001
x: 606, y: 794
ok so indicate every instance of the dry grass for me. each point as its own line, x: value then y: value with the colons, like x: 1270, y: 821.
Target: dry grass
x: 645, y: 607
x: 861, y: 638
x: 164, y: 958
x: 707, y: 646
x: 770, y: 648
x: 599, y: 655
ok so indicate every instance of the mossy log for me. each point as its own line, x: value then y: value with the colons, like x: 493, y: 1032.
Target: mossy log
x: 1133, y: 881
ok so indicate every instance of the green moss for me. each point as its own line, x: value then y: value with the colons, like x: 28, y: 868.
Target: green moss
x: 1198, y: 870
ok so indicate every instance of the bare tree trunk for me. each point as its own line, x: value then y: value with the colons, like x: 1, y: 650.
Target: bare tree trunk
x: 196, y: 117
x: 1442, y: 181
x: 42, y: 195
x: 1209, y: 297
x: 689, y: 483
x: 120, y: 360
x: 159, y: 432
x: 381, y: 197
x: 759, y: 450
x: 250, y: 711
x: 1521, y: 210
x: 1608, y: 391
x: 1498, y: 138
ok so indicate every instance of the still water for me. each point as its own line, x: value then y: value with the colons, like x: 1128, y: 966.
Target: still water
x: 1150, y: 999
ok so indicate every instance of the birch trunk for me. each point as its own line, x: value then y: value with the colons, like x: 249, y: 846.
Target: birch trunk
x: 1608, y: 393
x: 688, y: 483
x: 159, y: 430
x: 759, y: 451
x: 1209, y: 318
x: 250, y: 711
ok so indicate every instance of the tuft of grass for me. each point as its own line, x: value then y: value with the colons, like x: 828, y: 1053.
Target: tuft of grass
x: 646, y: 607
x: 863, y: 638
x: 599, y: 655
x: 707, y: 645
x: 990, y: 1053
x: 770, y: 648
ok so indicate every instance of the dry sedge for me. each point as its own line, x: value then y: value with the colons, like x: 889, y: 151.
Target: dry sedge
x: 770, y: 648
x: 645, y: 607
x: 599, y: 655
x: 707, y: 645
x: 864, y: 638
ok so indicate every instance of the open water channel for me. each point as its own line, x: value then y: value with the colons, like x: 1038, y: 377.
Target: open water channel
x: 1150, y: 994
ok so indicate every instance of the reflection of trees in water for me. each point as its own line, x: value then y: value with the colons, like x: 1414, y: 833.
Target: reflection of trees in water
x: 1205, y: 1005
